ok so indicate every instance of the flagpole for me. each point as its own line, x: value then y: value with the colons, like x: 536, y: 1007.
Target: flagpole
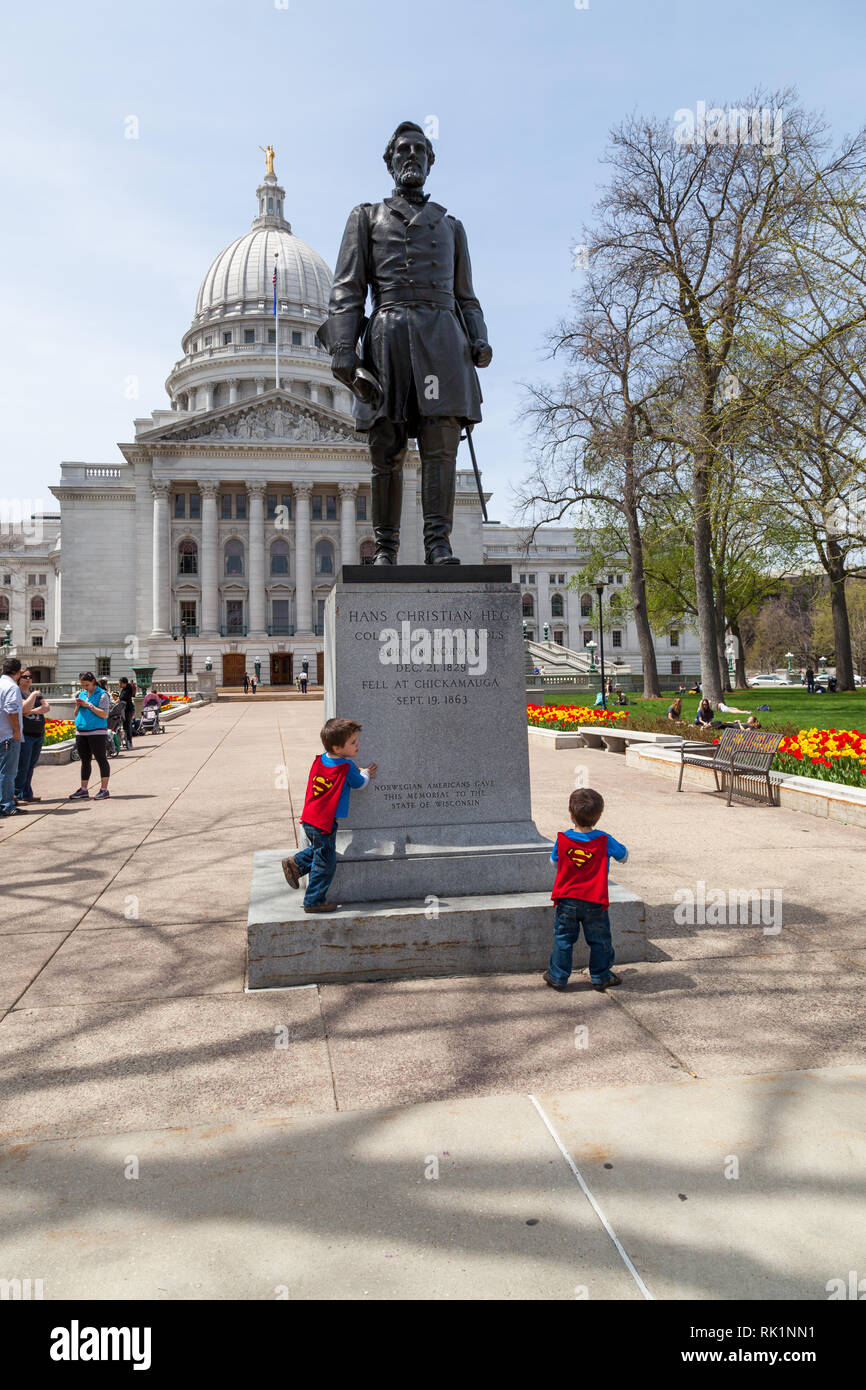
x: 277, y: 318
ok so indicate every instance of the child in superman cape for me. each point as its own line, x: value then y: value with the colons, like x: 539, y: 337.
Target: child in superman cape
x: 580, y: 892
x: 333, y: 777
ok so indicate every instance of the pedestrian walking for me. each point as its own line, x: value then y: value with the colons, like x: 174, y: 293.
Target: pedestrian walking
x: 127, y: 699
x: 246, y: 684
x: 303, y: 679
x: 253, y: 684
x: 92, y: 704
x: 34, y: 709
x: 11, y: 735
x: 810, y: 680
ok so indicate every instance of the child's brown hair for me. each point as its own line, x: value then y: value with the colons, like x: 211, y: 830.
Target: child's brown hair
x: 585, y: 806
x: 337, y: 732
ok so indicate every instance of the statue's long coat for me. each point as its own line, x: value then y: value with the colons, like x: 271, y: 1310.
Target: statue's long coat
x: 419, y: 256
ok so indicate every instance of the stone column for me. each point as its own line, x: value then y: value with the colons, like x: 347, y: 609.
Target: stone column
x: 256, y: 494
x: 303, y: 561
x: 143, y: 553
x: 161, y: 576
x: 348, y: 545
x: 233, y: 389
x: 209, y: 566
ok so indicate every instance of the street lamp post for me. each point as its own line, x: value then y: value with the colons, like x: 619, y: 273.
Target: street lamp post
x: 789, y: 657
x: 590, y: 647
x: 7, y: 638
x: 599, y: 589
x: 174, y: 633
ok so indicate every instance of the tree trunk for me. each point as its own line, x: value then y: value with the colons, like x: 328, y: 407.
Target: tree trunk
x: 841, y: 625
x: 739, y: 659
x: 651, y: 688
x: 721, y: 625
x: 710, y: 682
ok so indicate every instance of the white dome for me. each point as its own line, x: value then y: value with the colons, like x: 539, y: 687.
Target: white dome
x: 242, y: 275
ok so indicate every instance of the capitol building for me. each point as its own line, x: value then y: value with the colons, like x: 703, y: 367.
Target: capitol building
x: 231, y: 511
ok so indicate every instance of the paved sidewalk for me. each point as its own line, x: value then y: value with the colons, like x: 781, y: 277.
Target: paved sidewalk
x: 286, y: 1138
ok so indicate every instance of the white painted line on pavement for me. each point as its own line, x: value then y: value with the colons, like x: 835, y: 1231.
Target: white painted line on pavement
x: 593, y: 1203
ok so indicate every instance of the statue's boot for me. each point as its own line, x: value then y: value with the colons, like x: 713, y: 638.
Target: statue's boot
x: 388, y: 441
x: 438, y: 440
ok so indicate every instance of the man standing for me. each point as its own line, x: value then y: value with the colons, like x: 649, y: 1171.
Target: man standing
x: 420, y: 348
x: 127, y: 699
x: 11, y: 735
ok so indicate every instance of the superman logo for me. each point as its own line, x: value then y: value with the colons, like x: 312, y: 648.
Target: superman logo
x: 321, y: 785
x: 579, y: 856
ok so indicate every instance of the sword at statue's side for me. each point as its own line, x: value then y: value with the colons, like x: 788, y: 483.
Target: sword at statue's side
x: 468, y: 435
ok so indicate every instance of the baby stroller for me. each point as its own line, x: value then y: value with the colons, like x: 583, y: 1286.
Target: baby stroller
x: 115, y: 739
x: 150, y: 721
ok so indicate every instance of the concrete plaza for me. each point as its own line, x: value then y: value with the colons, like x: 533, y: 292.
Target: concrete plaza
x: 697, y: 1133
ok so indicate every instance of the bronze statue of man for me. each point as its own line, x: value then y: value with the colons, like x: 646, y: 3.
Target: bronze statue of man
x: 415, y: 376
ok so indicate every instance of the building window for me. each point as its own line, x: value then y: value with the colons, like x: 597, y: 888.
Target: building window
x: 619, y: 579
x: 557, y: 637
x: 562, y: 579
x: 675, y: 639
x: 235, y: 617
x: 270, y: 506
x: 552, y: 578
x: 368, y: 550
x: 103, y: 665
x: 610, y: 579
x: 180, y: 504
x: 531, y: 579
x: 280, y: 625
x: 317, y: 508
x: 195, y: 506
x: 184, y: 664
x: 31, y: 579
x: 187, y: 558
x: 7, y: 579
x: 557, y: 608
x: 528, y: 606
x: 227, y: 337
x: 676, y: 668
x: 523, y: 578
x: 297, y: 338
x: 272, y: 335
x: 37, y: 610
x: 331, y: 508
x: 249, y: 335
x: 226, y: 506
x: 241, y: 506
x: 4, y: 609
x: 586, y: 605
x: 616, y: 637
x: 280, y: 557
x: 360, y: 508
x: 234, y: 557
x: 324, y: 558
x: 587, y: 636
x: 36, y: 641
x: 187, y: 613
x: 286, y: 503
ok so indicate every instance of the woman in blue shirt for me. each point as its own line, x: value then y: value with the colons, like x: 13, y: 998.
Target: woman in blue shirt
x: 92, y: 704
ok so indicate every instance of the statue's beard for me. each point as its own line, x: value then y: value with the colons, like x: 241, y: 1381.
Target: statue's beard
x: 411, y: 176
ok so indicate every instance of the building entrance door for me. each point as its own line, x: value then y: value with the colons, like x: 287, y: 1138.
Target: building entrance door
x: 281, y: 668
x: 320, y: 668
x: 234, y: 665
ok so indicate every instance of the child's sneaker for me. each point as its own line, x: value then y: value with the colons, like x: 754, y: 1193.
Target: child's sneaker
x: 608, y: 983
x: 81, y: 795
x: 290, y: 869
x: 102, y: 795
x: 554, y: 984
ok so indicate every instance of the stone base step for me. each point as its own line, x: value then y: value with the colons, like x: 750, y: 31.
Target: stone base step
x: 494, y: 934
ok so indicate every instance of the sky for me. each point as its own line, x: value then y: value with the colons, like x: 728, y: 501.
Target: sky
x: 105, y: 239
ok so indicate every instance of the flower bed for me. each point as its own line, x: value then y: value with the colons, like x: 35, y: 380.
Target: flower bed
x: 58, y: 731
x: 830, y: 755
x: 176, y: 700
x: 568, y: 717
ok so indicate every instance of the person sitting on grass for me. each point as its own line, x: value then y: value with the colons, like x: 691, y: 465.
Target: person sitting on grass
x: 580, y: 892
x: 705, y: 717
x: 333, y: 776
x: 675, y: 711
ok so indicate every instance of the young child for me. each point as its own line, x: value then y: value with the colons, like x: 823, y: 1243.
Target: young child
x: 333, y: 776
x: 580, y: 892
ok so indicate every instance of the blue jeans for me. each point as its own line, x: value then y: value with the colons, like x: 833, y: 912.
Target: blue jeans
x: 319, y: 860
x: 571, y: 914
x: 29, y: 757
x: 10, y: 751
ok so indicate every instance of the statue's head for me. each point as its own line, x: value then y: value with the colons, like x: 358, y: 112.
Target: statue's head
x: 409, y: 156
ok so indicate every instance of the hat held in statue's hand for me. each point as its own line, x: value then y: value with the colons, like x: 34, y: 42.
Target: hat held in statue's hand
x: 366, y: 388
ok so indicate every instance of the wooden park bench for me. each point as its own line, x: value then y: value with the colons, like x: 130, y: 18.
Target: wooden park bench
x: 743, y: 753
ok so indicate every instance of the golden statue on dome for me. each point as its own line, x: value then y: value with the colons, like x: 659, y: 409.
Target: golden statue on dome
x: 268, y: 153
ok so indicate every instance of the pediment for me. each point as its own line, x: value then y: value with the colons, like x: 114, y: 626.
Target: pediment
x: 273, y: 418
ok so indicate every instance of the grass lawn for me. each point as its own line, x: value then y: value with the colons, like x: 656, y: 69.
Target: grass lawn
x: 846, y: 711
